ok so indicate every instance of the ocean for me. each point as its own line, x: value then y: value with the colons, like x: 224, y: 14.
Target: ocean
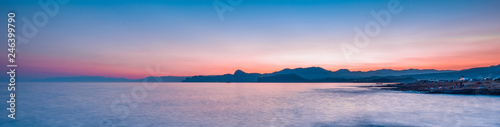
x: 240, y: 105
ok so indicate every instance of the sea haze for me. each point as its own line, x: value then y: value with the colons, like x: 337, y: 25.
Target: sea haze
x: 310, y: 74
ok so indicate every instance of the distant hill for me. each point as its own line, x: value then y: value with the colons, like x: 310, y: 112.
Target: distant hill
x: 84, y: 79
x: 162, y: 79
x: 310, y: 74
x: 317, y: 74
x: 283, y: 78
x: 106, y: 79
x: 368, y: 79
x: 238, y: 76
x: 320, y: 73
x: 474, y: 73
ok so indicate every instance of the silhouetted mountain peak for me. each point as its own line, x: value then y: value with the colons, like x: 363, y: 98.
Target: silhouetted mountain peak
x: 239, y: 72
x: 316, y: 74
x: 343, y: 71
x: 308, y: 69
x: 283, y: 78
x: 308, y: 73
x: 313, y: 69
x: 385, y: 70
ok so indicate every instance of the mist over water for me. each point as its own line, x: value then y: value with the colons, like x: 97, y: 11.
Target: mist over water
x: 244, y: 104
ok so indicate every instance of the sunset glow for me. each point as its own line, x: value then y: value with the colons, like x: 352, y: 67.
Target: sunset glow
x: 186, y: 38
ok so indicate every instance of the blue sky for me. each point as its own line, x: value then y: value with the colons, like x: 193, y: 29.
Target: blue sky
x: 119, y: 38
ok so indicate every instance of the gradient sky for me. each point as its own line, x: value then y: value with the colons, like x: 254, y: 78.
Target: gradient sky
x: 120, y: 38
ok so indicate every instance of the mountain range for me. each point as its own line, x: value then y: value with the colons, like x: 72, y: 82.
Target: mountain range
x: 309, y: 74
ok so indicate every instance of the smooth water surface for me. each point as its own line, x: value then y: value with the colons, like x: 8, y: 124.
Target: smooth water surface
x: 241, y: 105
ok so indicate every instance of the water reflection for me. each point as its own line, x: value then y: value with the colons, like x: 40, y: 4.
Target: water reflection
x: 249, y: 104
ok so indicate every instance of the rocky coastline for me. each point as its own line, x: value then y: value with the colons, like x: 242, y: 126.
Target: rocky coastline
x: 483, y: 87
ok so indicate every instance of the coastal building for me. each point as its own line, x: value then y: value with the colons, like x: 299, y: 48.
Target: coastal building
x: 496, y: 78
x: 487, y: 78
x: 462, y: 78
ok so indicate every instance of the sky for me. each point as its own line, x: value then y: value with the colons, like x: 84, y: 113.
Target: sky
x: 121, y: 38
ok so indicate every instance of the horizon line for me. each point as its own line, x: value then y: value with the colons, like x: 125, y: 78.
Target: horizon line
x: 271, y: 72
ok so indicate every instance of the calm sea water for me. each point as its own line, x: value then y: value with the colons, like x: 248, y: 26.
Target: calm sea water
x: 241, y: 105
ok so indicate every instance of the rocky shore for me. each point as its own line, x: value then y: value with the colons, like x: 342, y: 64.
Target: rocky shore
x: 485, y: 87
